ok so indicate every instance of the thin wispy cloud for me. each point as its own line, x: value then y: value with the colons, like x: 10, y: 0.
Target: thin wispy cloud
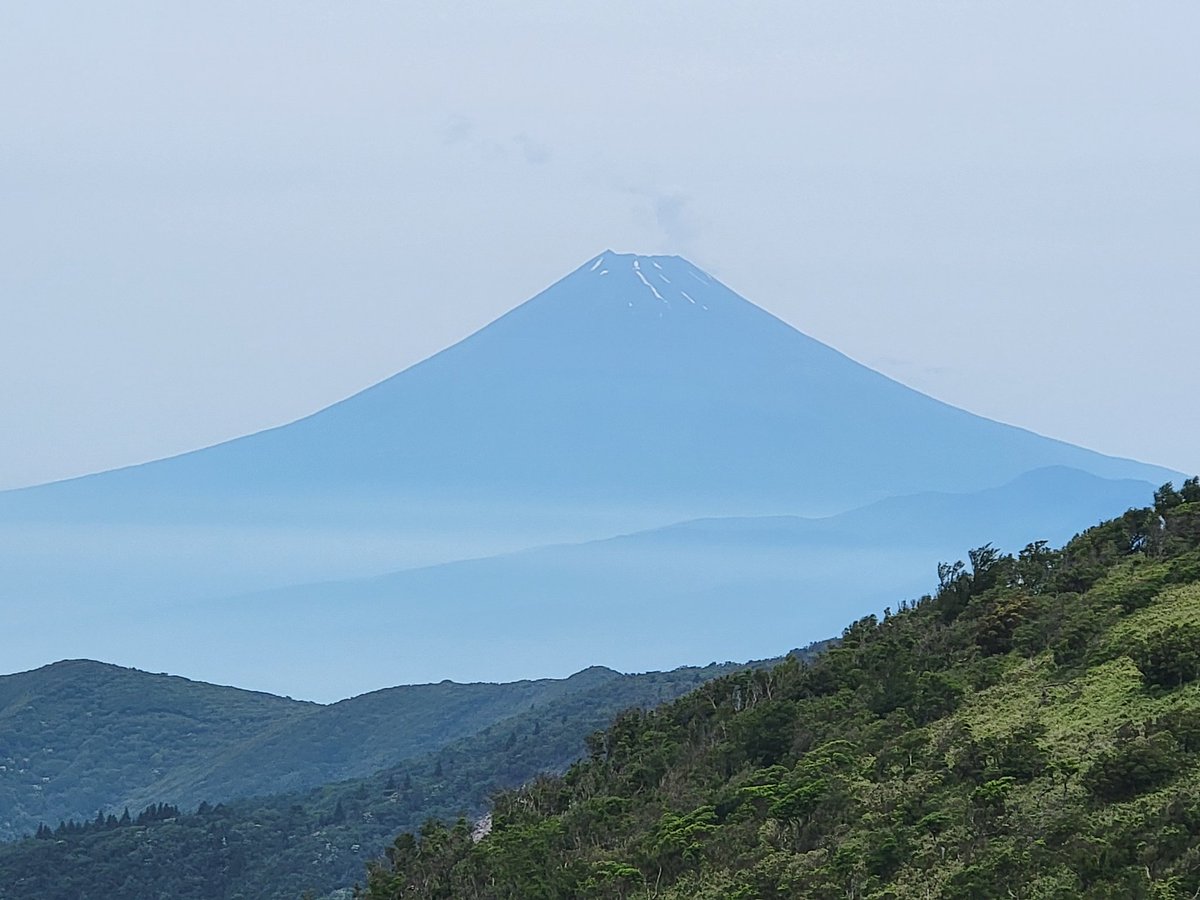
x: 533, y: 151
x: 457, y: 131
x: 461, y: 131
x: 675, y: 218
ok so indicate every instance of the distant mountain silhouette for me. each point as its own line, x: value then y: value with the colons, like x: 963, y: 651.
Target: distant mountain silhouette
x: 699, y: 591
x: 635, y: 392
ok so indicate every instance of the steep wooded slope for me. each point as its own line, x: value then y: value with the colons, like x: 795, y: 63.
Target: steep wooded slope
x: 1031, y: 730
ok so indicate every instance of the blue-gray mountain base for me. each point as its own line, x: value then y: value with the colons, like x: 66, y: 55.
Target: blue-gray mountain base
x: 636, y: 468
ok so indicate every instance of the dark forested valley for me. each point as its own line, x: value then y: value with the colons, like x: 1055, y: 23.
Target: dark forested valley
x: 284, y: 844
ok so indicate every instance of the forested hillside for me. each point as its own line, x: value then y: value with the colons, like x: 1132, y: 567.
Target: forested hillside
x: 81, y: 735
x: 78, y: 735
x: 319, y: 840
x: 1030, y: 730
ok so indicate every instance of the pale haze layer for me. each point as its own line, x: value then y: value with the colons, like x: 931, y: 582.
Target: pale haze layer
x: 219, y: 217
x: 498, y: 510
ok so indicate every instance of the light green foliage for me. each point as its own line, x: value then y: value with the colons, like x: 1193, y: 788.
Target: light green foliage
x: 1032, y: 731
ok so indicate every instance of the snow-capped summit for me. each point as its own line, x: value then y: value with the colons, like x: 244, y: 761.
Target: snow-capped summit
x: 635, y: 392
x: 665, y: 280
x: 634, y: 380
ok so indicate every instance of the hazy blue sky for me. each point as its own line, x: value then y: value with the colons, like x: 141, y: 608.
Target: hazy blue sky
x: 218, y: 216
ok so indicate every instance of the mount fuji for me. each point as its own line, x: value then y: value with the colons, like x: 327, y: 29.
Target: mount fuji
x: 635, y: 393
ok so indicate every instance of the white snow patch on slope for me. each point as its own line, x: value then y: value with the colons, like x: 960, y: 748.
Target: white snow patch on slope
x: 637, y: 269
